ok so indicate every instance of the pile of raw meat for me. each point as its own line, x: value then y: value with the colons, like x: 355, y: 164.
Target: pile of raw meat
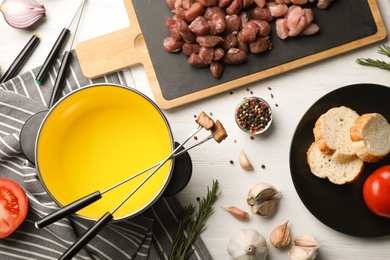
x: 213, y: 33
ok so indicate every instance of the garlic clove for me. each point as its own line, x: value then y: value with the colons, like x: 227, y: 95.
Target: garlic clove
x: 265, y: 208
x: 280, y: 236
x: 237, y: 212
x: 247, y: 244
x: 244, y: 162
x: 263, y: 199
x: 302, y: 253
x: 22, y: 13
x: 306, y: 240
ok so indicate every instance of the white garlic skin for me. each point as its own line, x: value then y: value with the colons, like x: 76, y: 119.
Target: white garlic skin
x: 247, y: 244
x: 263, y: 199
x: 306, y: 240
x: 302, y: 253
x: 304, y: 248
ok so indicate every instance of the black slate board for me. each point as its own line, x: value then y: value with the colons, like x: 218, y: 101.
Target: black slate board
x: 343, y: 22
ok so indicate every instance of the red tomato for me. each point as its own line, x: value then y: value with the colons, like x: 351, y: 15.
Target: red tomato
x: 13, y: 206
x: 376, y: 191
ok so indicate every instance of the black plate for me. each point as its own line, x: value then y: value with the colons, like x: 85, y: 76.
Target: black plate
x: 340, y: 207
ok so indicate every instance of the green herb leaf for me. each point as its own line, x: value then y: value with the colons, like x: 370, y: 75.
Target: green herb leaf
x: 374, y: 63
x: 190, y: 227
x: 385, y: 50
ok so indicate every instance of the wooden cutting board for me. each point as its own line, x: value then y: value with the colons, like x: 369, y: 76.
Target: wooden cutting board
x: 345, y: 25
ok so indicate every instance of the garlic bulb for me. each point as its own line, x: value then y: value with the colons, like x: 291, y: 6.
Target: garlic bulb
x: 244, y: 162
x: 280, y: 236
x: 305, y: 248
x: 22, y: 13
x: 247, y: 244
x: 263, y: 199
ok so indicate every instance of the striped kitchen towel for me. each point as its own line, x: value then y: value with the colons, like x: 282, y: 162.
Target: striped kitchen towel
x: 147, y: 236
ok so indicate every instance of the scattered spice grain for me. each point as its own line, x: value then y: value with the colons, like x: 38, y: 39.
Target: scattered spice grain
x: 231, y: 162
x: 263, y: 166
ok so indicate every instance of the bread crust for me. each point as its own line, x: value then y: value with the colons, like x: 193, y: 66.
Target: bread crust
x: 371, y: 131
x: 319, y: 137
x: 339, y: 173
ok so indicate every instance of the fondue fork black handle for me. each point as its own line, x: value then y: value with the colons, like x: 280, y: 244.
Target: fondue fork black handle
x: 88, y: 235
x: 68, y: 209
x: 61, y: 77
x: 89, y: 199
x: 95, y: 228
x: 52, y: 56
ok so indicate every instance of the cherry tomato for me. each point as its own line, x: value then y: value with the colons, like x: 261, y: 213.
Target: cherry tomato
x: 13, y: 206
x: 376, y: 191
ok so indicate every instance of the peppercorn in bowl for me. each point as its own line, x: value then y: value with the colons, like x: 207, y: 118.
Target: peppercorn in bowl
x: 253, y: 115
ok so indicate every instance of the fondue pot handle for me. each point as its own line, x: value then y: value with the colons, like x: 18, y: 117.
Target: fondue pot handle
x: 84, y: 239
x: 68, y: 209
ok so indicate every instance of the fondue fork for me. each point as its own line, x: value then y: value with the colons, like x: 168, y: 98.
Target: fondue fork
x: 107, y: 217
x: 90, y: 198
x: 62, y: 38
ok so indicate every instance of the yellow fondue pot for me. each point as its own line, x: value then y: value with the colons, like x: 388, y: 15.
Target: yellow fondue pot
x: 97, y: 136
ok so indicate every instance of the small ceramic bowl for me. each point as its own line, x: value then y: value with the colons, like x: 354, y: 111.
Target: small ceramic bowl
x: 253, y: 115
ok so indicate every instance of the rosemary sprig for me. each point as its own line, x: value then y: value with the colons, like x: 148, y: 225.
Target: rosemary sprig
x: 182, y: 242
x: 374, y: 63
x: 385, y: 50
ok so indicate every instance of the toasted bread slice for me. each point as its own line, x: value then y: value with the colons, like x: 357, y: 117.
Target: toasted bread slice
x: 332, y: 133
x: 322, y: 166
x: 370, y: 135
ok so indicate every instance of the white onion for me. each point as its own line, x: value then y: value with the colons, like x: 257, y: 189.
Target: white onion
x: 22, y: 13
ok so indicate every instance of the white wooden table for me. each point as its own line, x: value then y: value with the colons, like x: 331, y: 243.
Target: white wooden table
x: 294, y: 92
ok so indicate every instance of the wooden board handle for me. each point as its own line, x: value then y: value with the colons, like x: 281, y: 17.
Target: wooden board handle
x: 114, y: 51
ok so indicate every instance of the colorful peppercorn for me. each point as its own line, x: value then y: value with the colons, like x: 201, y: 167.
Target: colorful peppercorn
x: 253, y: 115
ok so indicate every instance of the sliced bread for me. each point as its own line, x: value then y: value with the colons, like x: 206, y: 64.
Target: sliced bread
x: 370, y: 135
x: 322, y: 166
x: 332, y: 133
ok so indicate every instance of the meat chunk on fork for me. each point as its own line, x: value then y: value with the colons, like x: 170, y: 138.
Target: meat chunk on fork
x: 205, y: 121
x: 219, y: 132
